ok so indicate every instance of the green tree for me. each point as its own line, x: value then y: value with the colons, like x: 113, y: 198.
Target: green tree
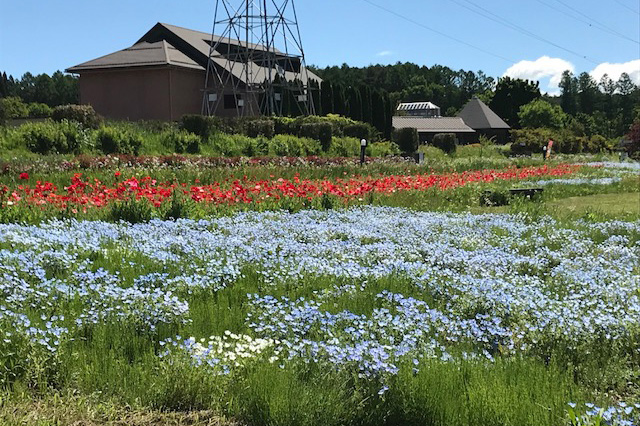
x: 540, y: 113
x: 510, y: 95
x: 569, y: 96
x: 587, y: 93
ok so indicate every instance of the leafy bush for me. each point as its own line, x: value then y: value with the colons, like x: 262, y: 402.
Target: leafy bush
x: 382, y: 149
x: 345, y: 147
x: 83, y: 114
x: 322, y: 132
x: 285, y: 126
x: 54, y: 138
x: 529, y: 141
x: 292, y: 146
x: 446, y: 142
x: 114, y: 140
x: 185, y: 142
x: 596, y: 144
x: 263, y: 127
x: 132, y: 211
x: 406, y: 139
x: 540, y: 113
x: 14, y: 107
x: 200, y: 125
x: 37, y: 110
x: 359, y: 131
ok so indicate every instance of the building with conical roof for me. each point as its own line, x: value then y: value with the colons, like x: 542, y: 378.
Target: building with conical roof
x: 477, y: 115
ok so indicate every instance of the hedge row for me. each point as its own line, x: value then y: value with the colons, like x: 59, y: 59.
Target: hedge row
x: 321, y: 129
x: 528, y: 141
x: 72, y: 137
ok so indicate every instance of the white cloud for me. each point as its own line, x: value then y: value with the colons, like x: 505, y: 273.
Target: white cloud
x: 540, y: 70
x: 385, y: 53
x: 615, y: 70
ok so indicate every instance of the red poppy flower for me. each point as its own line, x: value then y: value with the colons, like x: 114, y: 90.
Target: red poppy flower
x: 24, y: 176
x: 117, y: 174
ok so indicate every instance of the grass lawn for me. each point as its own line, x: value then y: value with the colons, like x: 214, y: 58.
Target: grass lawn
x: 614, y: 204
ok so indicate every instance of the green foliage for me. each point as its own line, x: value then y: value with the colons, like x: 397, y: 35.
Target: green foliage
x: 406, y: 139
x: 345, y: 147
x: 446, y: 142
x: 185, y: 142
x: 132, y: 211
x: 510, y: 95
x: 382, y: 149
x: 359, y: 131
x: 322, y: 132
x: 262, y: 127
x: 54, y: 138
x: 540, y: 113
x: 38, y: 110
x: 532, y: 141
x: 116, y: 140
x: 181, y: 207
x: 83, y: 114
x: 291, y: 146
x: 14, y: 107
x: 199, y: 125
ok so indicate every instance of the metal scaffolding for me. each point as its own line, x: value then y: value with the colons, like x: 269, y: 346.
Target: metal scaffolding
x: 256, y: 62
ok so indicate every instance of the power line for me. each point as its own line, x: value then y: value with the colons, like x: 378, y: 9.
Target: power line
x: 568, y: 6
x: 626, y: 6
x: 500, y: 20
x: 577, y: 18
x: 438, y: 32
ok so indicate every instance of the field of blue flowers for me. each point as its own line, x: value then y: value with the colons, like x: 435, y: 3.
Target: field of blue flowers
x: 364, y: 316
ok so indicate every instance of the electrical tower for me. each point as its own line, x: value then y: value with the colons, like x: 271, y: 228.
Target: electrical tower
x: 256, y: 63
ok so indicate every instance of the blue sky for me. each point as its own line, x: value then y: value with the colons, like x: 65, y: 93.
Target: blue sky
x: 44, y: 35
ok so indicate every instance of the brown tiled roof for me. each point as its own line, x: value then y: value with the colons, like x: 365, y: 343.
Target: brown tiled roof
x: 479, y: 116
x: 140, y: 54
x: 193, y: 47
x: 429, y: 125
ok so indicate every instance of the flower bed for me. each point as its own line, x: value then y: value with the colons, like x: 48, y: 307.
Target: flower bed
x: 87, y: 193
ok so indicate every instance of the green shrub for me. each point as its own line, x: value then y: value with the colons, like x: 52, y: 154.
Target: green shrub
x: 382, y: 149
x: 529, y: 141
x: 446, y: 142
x: 114, y: 140
x: 359, y: 131
x: 263, y: 127
x: 285, y: 126
x: 406, y: 139
x: 54, y: 138
x: 181, y: 207
x: 431, y: 152
x: 13, y: 107
x: 37, y: 110
x: 132, y: 211
x: 3, y: 114
x: 200, y: 125
x: 345, y: 147
x: 321, y: 132
x: 83, y: 114
x: 185, y: 142
x: 596, y: 144
x: 292, y: 146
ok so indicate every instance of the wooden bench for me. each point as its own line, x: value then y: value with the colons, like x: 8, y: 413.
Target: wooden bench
x: 526, y: 192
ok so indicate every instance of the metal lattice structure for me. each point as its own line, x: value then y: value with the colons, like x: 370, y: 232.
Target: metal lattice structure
x: 256, y: 64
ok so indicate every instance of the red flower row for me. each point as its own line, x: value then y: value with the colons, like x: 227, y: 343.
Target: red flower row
x: 88, y: 193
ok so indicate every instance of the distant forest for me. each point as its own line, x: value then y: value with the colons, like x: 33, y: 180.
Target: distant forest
x: 371, y: 94
x: 604, y: 107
